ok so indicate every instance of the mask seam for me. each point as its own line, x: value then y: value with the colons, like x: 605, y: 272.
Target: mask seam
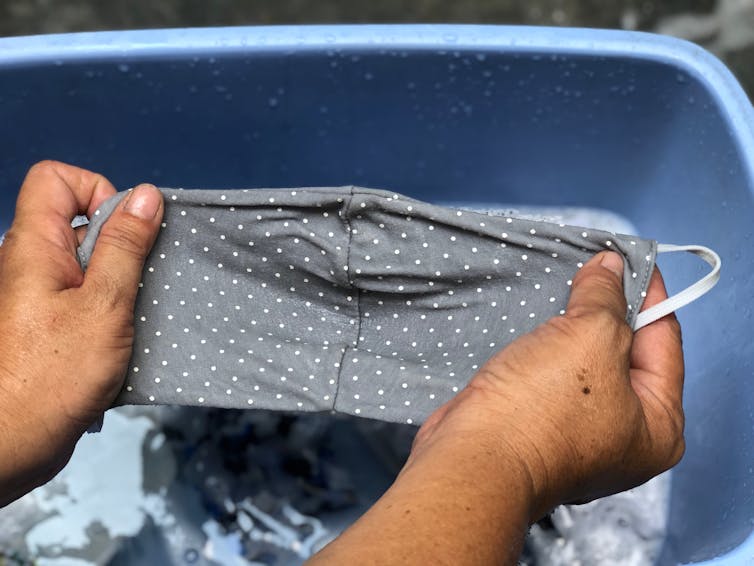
x: 349, y: 276
x: 644, y: 283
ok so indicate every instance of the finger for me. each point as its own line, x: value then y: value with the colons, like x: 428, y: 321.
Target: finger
x: 598, y: 288
x: 122, y: 246
x: 56, y: 192
x: 43, y: 244
x: 657, y: 352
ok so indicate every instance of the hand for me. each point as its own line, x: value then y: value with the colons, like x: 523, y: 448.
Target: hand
x: 587, y: 407
x: 579, y: 408
x: 65, y: 336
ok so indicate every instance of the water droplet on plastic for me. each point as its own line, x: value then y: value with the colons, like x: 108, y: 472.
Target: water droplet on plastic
x: 681, y: 78
x: 481, y: 56
x: 368, y: 76
x: 273, y: 102
x: 123, y: 68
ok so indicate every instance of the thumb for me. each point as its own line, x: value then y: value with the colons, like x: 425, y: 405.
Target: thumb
x: 123, y: 245
x: 598, y: 286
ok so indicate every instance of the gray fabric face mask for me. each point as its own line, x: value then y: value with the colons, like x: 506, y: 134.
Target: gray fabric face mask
x: 355, y: 300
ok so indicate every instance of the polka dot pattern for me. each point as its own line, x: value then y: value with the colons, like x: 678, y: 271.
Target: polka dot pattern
x: 358, y: 300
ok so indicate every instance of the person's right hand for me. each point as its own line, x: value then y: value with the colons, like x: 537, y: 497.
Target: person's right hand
x: 579, y: 408
x: 587, y: 407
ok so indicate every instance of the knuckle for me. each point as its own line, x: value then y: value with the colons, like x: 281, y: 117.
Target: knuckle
x: 490, y: 375
x: 609, y: 322
x: 566, y: 327
x: 97, y: 179
x: 44, y: 165
x: 679, y: 450
x: 100, y: 179
x: 673, y: 453
x: 586, y: 272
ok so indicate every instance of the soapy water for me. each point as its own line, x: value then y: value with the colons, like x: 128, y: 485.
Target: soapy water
x: 626, y: 529
x: 185, y: 486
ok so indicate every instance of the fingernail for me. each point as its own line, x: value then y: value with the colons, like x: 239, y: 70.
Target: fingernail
x: 613, y: 262
x: 143, y: 202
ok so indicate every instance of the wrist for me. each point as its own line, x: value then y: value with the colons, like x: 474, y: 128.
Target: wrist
x: 28, y: 458
x: 491, y: 431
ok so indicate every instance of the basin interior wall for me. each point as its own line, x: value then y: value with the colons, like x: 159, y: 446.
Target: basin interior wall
x: 488, y: 115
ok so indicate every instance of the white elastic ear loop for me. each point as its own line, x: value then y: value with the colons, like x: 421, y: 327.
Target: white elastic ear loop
x: 688, y: 295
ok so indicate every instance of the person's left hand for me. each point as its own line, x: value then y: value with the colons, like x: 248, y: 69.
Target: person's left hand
x: 65, y: 335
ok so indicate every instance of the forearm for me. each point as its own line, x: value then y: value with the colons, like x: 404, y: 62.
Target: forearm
x: 14, y: 469
x: 461, y: 500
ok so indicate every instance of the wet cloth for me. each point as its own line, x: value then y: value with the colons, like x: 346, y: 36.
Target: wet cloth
x: 356, y: 300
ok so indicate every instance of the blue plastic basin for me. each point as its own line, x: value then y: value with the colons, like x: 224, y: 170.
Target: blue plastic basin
x: 653, y: 128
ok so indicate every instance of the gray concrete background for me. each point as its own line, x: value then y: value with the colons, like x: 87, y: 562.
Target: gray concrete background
x: 726, y: 27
